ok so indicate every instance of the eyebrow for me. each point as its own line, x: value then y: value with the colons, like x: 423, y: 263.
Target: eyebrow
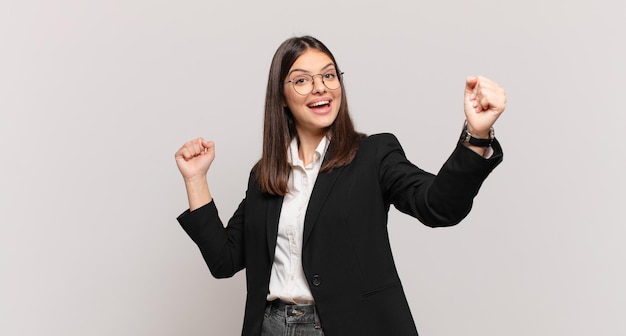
x: 303, y: 70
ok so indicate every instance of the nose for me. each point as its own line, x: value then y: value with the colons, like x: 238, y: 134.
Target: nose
x: 318, y: 85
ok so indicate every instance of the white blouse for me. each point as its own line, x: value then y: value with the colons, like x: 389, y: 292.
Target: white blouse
x: 287, y: 280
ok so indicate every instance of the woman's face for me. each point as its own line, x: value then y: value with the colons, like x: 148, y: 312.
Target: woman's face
x: 316, y: 110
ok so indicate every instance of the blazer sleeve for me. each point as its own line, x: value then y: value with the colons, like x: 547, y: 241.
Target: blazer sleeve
x: 436, y: 200
x: 221, y: 247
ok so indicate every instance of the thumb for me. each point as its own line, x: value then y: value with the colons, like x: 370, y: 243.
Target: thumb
x: 470, y: 84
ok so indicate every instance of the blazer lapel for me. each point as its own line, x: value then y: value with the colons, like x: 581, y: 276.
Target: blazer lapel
x: 323, y: 186
x: 274, y: 206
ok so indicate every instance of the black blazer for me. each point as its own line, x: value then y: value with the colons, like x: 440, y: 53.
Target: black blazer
x: 346, y: 253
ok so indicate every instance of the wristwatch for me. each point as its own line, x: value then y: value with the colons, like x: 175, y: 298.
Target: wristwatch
x: 466, y: 136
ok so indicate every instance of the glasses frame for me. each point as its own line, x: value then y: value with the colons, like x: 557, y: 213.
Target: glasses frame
x: 293, y: 84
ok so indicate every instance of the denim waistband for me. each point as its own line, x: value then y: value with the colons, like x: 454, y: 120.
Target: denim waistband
x: 294, y: 313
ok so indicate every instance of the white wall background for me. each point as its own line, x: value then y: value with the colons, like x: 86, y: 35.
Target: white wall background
x: 96, y: 96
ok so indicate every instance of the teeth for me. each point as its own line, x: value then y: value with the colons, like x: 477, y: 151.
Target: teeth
x: 320, y: 103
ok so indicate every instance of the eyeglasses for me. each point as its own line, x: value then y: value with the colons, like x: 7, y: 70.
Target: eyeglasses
x: 304, y: 83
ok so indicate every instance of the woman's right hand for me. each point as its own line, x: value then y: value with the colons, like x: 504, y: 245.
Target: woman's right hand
x: 194, y: 159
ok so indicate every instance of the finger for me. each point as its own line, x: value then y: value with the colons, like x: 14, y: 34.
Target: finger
x: 191, y: 149
x: 476, y: 105
x: 208, y: 145
x: 470, y: 81
x: 485, y: 103
x: 179, y: 154
x: 185, y: 153
x: 481, y: 95
x: 492, y: 96
x: 487, y: 85
x: 198, y: 147
x: 470, y: 84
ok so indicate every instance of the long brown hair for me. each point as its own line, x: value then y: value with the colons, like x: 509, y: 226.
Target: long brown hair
x: 272, y: 170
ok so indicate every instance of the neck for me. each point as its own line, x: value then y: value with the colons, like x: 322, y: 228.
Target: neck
x: 306, y: 146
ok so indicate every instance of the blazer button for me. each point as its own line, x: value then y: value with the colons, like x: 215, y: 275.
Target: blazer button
x: 316, y: 280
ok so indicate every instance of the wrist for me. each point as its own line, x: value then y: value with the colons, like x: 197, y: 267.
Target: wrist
x: 479, y: 135
x: 198, y: 193
x: 195, y: 179
x: 471, y: 137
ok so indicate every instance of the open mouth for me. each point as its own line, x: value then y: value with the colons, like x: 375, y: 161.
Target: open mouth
x: 319, y: 105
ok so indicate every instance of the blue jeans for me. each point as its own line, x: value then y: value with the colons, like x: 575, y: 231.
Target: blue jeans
x: 282, y: 319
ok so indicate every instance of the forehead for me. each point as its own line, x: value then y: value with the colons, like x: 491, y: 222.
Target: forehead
x: 311, y: 60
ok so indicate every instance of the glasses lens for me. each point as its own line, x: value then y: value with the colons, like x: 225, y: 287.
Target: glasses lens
x: 331, y: 80
x: 303, y: 84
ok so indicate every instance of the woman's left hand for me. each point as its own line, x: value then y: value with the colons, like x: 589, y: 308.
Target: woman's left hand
x: 484, y: 101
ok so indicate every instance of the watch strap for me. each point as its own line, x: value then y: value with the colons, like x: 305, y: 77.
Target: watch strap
x: 467, y: 137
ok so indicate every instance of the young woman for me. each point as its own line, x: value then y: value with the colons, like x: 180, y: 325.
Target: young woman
x: 312, y: 229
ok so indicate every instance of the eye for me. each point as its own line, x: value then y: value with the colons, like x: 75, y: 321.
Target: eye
x: 331, y: 75
x: 300, y: 80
